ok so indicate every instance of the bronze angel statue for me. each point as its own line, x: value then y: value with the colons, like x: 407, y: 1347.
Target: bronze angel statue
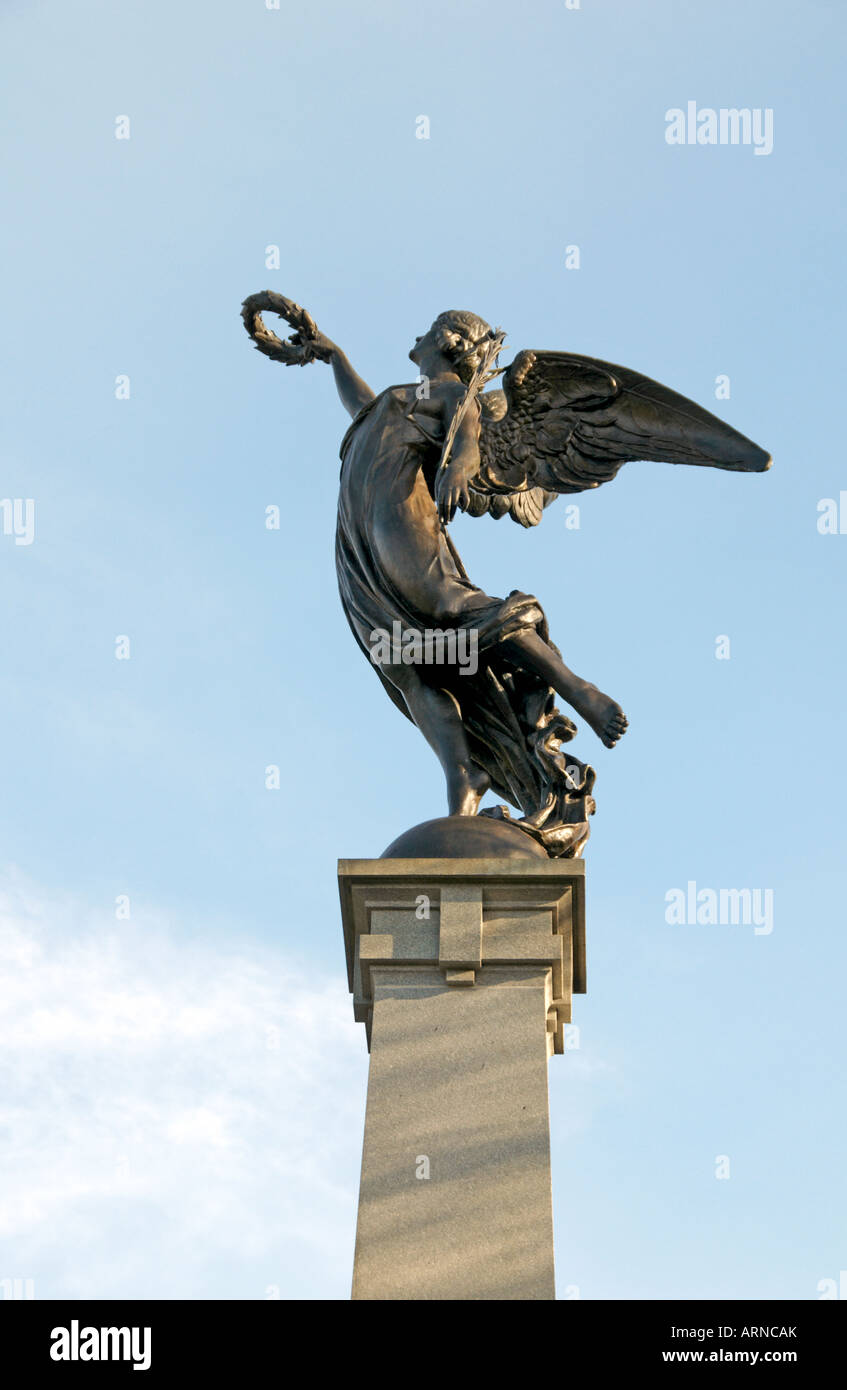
x: 416, y: 453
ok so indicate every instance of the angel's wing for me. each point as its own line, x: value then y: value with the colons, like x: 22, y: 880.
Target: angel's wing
x: 565, y: 423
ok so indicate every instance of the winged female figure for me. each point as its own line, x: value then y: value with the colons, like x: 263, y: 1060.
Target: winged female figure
x: 415, y: 454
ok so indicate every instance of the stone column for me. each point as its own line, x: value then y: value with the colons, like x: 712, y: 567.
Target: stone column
x: 462, y: 972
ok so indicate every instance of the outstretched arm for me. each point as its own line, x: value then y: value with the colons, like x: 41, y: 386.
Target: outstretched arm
x: 306, y: 345
x: 353, y: 392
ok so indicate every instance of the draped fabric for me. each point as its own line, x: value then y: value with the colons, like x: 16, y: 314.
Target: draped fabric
x: 396, y: 565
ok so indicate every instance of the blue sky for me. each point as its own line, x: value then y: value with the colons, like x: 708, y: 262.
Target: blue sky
x: 295, y: 128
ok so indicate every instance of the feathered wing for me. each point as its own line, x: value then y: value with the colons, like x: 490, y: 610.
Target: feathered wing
x: 565, y: 423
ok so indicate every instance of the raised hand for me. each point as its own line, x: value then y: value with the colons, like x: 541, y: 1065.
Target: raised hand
x: 306, y: 344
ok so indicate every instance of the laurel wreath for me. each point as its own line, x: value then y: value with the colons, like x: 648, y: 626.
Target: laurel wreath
x: 296, y: 351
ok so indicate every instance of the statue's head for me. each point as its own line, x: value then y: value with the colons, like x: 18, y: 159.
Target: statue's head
x: 460, y: 336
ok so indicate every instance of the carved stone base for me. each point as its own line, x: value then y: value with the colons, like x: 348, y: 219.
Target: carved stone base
x: 462, y: 971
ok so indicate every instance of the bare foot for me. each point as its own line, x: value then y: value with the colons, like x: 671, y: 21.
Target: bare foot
x: 606, y: 718
x: 466, y: 789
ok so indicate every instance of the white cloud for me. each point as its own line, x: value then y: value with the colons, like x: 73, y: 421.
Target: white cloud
x: 177, y: 1119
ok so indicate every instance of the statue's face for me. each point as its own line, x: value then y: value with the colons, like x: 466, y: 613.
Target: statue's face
x: 425, y: 343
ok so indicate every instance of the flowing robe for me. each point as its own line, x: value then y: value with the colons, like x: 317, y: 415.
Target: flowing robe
x: 396, y: 563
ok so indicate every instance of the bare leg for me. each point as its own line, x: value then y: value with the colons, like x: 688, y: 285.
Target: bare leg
x: 606, y: 718
x: 437, y: 716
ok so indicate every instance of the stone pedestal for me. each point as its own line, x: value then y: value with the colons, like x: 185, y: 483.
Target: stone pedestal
x: 462, y: 972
